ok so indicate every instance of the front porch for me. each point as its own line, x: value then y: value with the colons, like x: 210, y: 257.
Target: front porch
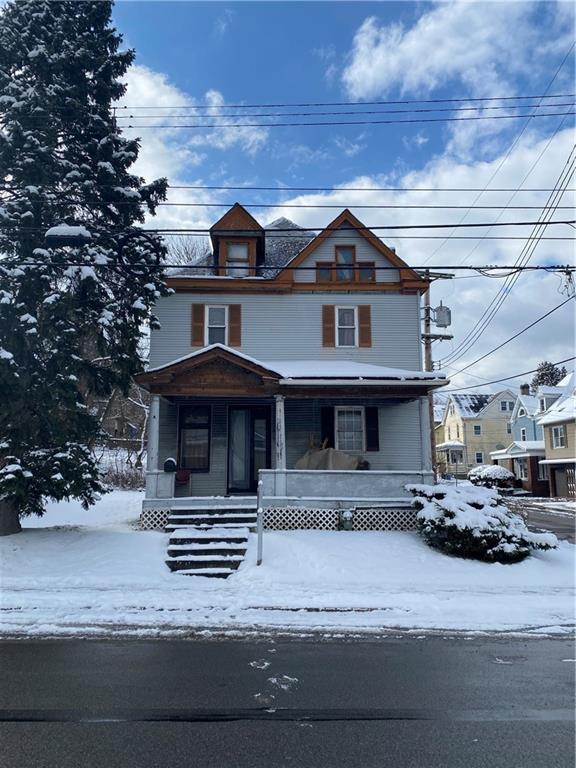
x: 214, y: 443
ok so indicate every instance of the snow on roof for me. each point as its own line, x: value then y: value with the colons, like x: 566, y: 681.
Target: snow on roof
x: 520, y: 448
x: 450, y: 444
x: 316, y: 369
x: 440, y: 401
x: 471, y: 405
x: 529, y: 403
x: 564, y: 409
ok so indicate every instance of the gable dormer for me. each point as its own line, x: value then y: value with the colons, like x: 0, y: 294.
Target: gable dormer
x: 238, y: 244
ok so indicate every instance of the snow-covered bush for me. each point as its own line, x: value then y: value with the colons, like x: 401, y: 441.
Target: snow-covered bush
x: 474, y: 522
x: 491, y: 476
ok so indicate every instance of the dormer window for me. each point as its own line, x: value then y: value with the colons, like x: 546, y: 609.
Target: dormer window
x: 237, y: 259
x: 345, y: 257
x: 521, y: 412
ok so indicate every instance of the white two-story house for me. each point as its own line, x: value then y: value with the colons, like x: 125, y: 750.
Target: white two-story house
x: 289, y: 367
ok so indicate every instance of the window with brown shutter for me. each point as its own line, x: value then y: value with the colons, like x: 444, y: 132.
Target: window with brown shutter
x: 364, y: 326
x: 235, y: 325
x: 328, y: 330
x: 197, y: 325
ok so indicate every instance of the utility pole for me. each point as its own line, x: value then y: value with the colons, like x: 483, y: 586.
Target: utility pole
x: 428, y: 338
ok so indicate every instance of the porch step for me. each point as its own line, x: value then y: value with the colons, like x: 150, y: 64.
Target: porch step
x: 202, y: 525
x: 212, y: 551
x: 208, y: 519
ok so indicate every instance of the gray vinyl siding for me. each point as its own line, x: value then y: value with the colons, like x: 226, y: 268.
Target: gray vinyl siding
x: 364, y: 252
x: 289, y: 327
x: 399, y: 430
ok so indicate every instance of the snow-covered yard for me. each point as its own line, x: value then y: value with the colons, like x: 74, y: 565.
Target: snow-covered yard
x: 77, y: 572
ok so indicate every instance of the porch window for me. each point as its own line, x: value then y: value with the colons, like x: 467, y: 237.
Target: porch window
x: 237, y: 261
x: 350, y: 429
x: 558, y: 437
x: 522, y: 468
x: 542, y: 472
x: 347, y: 326
x: 194, y: 439
x: 217, y: 325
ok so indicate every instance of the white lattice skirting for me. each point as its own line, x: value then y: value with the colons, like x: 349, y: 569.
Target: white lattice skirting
x: 368, y: 519
x: 154, y: 519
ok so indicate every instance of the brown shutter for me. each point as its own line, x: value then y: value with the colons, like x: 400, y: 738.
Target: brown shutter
x: 328, y: 328
x: 197, y: 325
x: 364, y: 326
x: 235, y: 325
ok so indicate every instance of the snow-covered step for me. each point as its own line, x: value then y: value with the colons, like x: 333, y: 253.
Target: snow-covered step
x: 203, y: 527
x: 214, y: 533
x: 202, y: 562
x: 214, y: 573
x: 222, y: 544
x: 209, y: 550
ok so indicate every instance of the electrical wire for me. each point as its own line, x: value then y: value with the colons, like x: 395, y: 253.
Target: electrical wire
x: 506, y: 378
x: 516, y: 335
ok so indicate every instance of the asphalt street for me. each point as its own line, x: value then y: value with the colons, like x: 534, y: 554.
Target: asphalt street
x: 564, y: 525
x: 418, y: 702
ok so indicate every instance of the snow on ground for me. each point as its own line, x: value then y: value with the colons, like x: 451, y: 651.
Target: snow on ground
x: 92, y: 573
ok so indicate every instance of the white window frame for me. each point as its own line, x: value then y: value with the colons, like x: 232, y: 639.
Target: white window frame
x: 508, y: 428
x: 503, y: 405
x: 481, y: 454
x: 522, y: 412
x: 559, y: 436
x: 207, y: 327
x: 337, y: 410
x: 510, y: 405
x: 233, y: 263
x: 543, y: 472
x: 523, y: 434
x: 338, y: 326
x: 479, y: 428
x: 522, y: 468
x: 542, y: 404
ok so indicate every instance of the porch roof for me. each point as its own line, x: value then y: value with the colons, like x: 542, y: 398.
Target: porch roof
x: 520, y: 449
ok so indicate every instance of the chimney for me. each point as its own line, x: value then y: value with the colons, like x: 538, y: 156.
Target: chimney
x: 524, y: 389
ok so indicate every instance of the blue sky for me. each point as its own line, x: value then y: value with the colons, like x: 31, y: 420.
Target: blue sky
x: 272, y: 52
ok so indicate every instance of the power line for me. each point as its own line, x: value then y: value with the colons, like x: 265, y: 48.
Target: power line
x: 342, y: 103
x: 516, y: 335
x: 300, y: 124
x: 340, y: 113
x: 322, y: 205
x: 506, y: 378
x: 524, y: 256
x: 339, y: 230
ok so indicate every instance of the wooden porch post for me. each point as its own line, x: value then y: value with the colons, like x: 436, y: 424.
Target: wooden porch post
x: 280, y: 433
x: 153, y: 434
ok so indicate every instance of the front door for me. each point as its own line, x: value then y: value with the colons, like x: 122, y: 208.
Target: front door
x: 248, y: 446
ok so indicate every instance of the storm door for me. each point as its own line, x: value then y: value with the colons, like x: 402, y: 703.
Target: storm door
x: 248, y: 446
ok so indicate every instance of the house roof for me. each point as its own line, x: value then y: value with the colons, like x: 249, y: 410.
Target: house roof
x: 450, y: 444
x: 530, y: 403
x: 314, y: 369
x: 471, y: 404
x: 440, y: 401
x: 564, y: 409
x: 520, y: 449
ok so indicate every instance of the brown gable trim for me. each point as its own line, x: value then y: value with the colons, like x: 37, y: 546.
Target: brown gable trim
x: 236, y: 218
x: 246, y: 285
x: 348, y: 217
x: 167, y: 373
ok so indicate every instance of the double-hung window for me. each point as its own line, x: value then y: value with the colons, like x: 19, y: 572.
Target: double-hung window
x: 559, y: 437
x: 479, y: 457
x: 523, y: 434
x: 522, y: 468
x: 346, y: 326
x: 350, y: 429
x: 194, y: 442
x: 237, y: 260
x: 477, y: 429
x: 542, y: 472
x: 216, y: 325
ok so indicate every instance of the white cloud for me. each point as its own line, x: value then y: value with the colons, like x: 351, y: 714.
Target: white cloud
x: 223, y: 22
x: 350, y: 148
x: 481, y: 45
x: 533, y: 294
x: 417, y: 141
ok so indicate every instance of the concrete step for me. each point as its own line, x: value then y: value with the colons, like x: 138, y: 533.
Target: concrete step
x: 213, y: 573
x: 202, y: 562
x: 215, y: 550
x: 202, y: 525
x: 216, y: 520
x: 228, y: 509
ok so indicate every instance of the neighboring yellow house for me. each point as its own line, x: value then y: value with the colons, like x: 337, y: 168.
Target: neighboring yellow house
x: 473, y: 425
x: 559, y: 424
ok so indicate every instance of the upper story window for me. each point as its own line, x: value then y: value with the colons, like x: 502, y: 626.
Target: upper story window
x: 508, y: 428
x: 542, y: 404
x: 477, y: 429
x: 345, y: 268
x: 559, y: 436
x: 216, y: 325
x: 506, y: 405
x: 523, y: 434
x: 521, y: 412
x: 237, y: 260
x: 346, y: 326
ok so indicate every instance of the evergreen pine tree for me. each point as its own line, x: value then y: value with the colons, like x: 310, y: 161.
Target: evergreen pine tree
x: 69, y: 326
x: 547, y: 374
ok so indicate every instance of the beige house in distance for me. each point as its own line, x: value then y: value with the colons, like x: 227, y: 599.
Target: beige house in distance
x: 473, y: 426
